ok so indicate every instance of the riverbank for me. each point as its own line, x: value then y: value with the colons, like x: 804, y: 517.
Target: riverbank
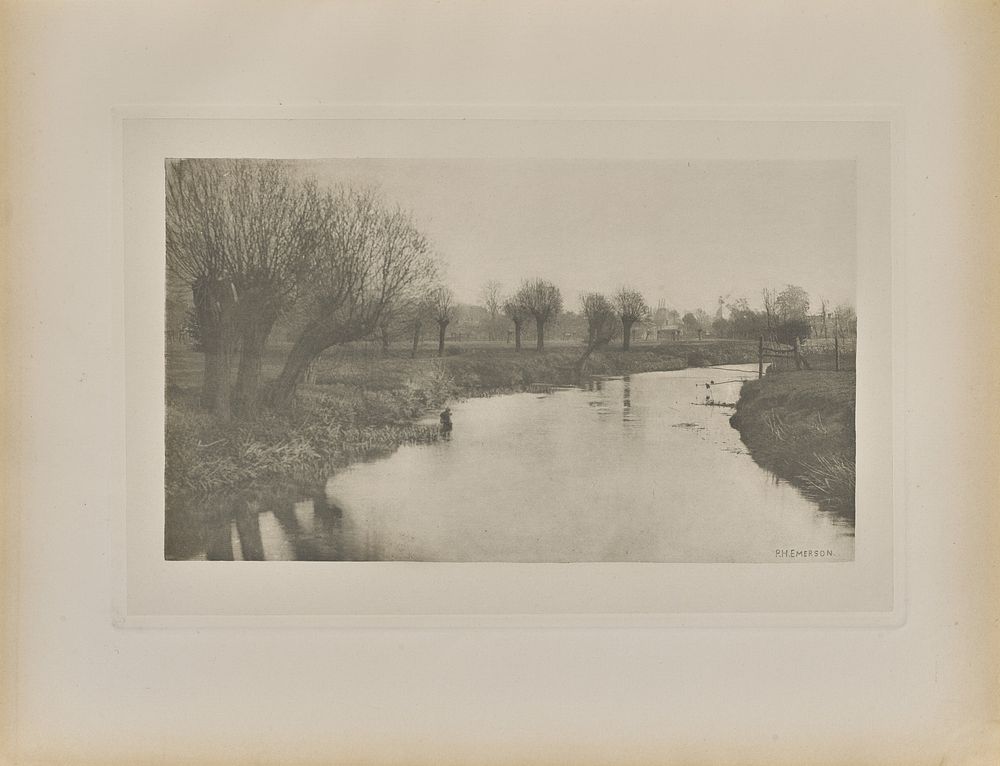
x: 800, y: 426
x: 363, y: 404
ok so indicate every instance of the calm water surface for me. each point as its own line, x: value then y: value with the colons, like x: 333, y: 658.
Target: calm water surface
x: 627, y: 469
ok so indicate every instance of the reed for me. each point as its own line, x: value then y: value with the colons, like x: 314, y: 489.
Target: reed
x: 800, y: 426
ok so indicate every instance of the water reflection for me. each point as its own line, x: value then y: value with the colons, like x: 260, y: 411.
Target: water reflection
x: 273, y: 529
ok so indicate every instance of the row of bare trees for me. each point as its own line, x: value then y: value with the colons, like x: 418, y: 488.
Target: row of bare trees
x: 254, y: 241
x: 542, y: 301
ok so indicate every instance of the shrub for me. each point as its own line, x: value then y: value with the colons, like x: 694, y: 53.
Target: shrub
x: 697, y: 359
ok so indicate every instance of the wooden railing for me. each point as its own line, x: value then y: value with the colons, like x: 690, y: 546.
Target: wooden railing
x: 772, y: 350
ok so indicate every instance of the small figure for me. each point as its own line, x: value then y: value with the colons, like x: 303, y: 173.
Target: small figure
x: 446, y: 421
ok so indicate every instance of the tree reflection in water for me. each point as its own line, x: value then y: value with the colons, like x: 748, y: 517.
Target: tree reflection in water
x: 301, y: 524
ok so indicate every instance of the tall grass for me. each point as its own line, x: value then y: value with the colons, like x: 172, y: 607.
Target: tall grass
x: 828, y: 478
x: 320, y: 433
x: 800, y: 425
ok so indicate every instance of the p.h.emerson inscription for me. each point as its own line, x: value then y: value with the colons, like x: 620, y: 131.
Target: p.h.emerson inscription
x: 510, y: 360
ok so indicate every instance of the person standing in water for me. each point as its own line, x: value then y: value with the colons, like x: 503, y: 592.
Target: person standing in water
x: 446, y: 421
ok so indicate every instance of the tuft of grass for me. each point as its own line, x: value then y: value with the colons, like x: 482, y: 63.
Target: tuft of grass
x: 828, y: 478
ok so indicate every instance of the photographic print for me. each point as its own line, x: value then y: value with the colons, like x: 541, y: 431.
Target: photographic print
x: 543, y: 360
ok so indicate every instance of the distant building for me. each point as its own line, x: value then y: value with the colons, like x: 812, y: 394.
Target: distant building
x: 664, y: 324
x: 670, y: 332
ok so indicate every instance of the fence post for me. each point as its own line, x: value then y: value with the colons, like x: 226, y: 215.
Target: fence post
x: 836, y: 353
x: 798, y: 355
x: 760, y: 357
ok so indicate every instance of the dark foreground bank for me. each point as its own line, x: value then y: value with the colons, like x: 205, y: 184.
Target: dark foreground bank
x: 800, y: 426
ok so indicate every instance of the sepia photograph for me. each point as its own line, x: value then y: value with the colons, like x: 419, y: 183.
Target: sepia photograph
x: 499, y: 383
x: 543, y: 360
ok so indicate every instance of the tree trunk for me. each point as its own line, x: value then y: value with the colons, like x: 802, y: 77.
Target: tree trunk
x: 247, y: 398
x: 583, y: 359
x: 303, y: 353
x: 442, y: 326
x: 215, y: 307
x: 416, y: 339
x: 384, y: 336
x: 215, y: 390
x: 627, y: 334
x: 517, y: 336
x: 540, y: 324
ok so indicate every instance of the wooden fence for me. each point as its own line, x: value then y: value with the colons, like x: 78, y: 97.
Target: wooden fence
x: 773, y: 350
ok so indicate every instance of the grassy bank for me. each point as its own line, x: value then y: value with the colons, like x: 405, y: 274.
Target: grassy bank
x: 800, y: 425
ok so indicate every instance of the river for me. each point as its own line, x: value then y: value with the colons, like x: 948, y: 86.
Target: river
x: 639, y: 468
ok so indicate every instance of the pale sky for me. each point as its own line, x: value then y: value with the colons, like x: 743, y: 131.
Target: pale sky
x: 682, y: 231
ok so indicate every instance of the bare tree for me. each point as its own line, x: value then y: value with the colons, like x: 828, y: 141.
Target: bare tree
x: 388, y: 324
x: 631, y: 307
x: 543, y: 301
x: 369, y: 257
x: 770, y: 310
x: 598, y: 312
x: 518, y: 314
x: 238, y: 232
x: 443, y: 309
x: 602, y: 325
x: 792, y: 303
x: 194, y: 255
x: 490, y: 297
x: 420, y: 312
x: 396, y: 321
x: 384, y: 330
x: 704, y: 321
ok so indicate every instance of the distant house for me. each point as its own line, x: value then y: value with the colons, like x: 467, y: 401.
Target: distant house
x: 670, y: 332
x: 665, y: 323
